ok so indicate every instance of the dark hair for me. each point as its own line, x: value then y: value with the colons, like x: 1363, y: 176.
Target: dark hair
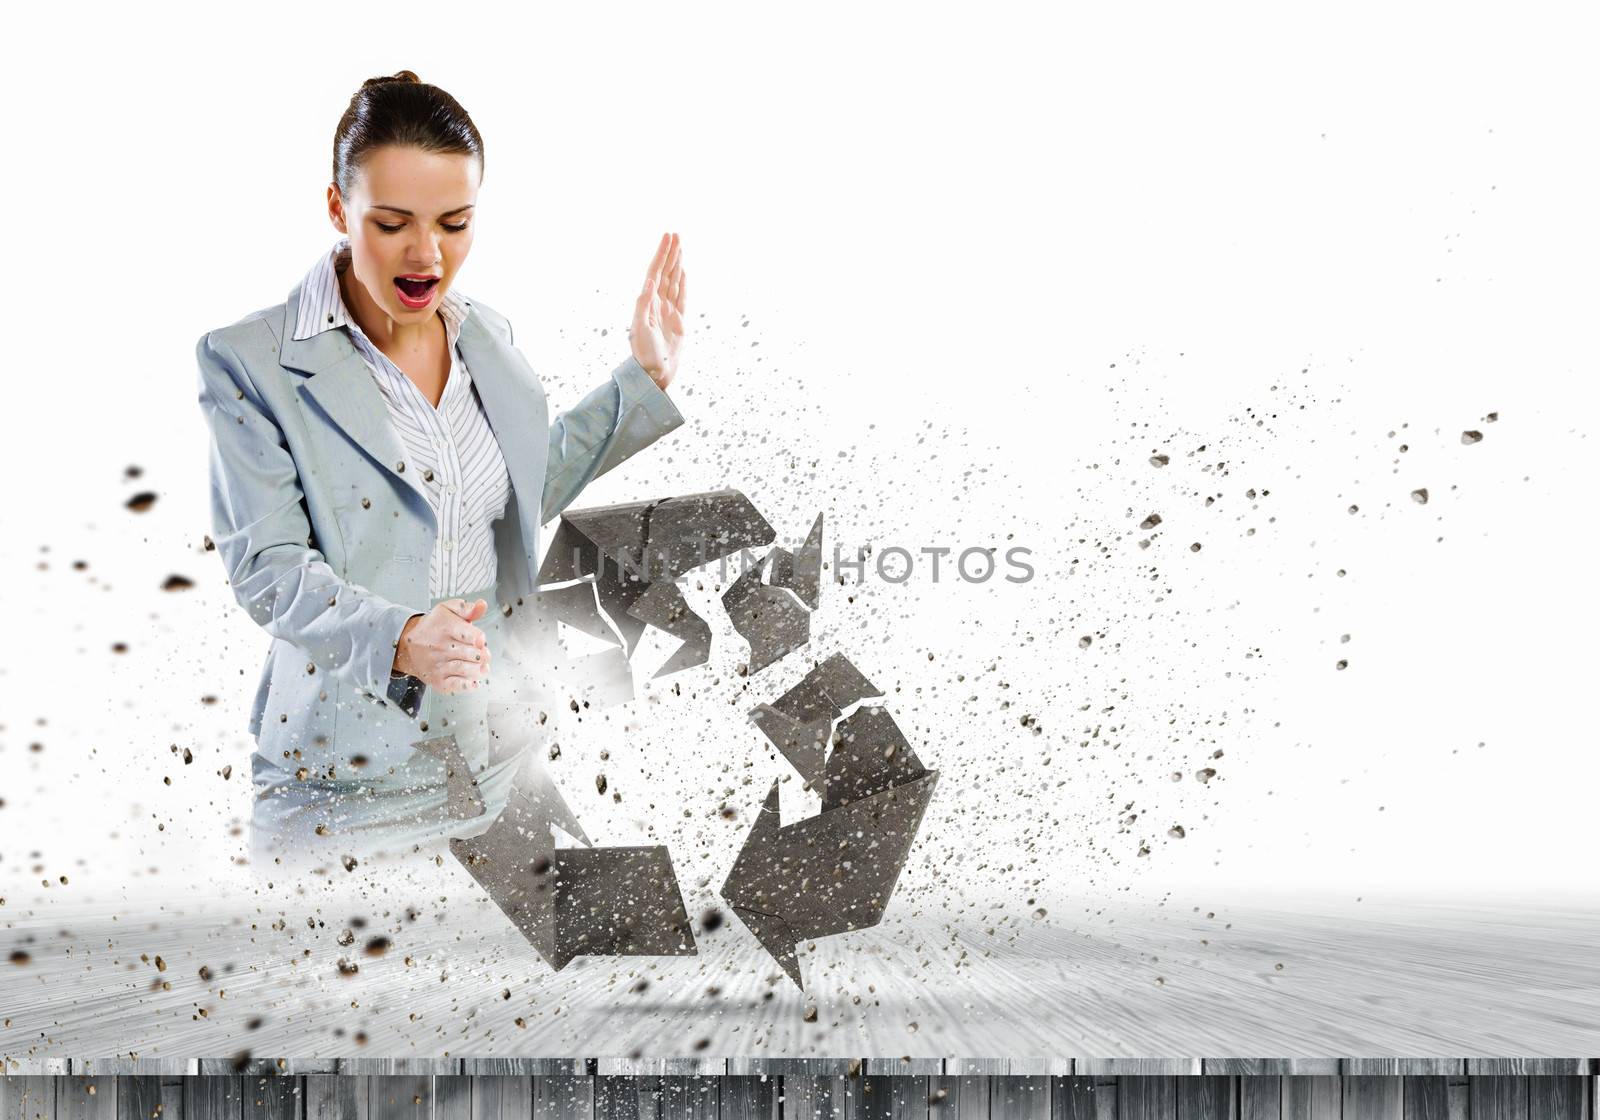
x: 400, y: 109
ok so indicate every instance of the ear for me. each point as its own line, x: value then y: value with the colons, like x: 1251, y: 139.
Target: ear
x: 336, y: 209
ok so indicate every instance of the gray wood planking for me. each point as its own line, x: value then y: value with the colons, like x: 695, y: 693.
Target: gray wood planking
x: 1395, y: 981
x: 902, y: 1097
x: 86, y: 1098
x: 747, y: 1097
x: 1305, y: 1067
x: 1083, y: 1098
x: 27, y: 1096
x: 1373, y: 1097
x: 1434, y: 1097
x: 401, y: 1092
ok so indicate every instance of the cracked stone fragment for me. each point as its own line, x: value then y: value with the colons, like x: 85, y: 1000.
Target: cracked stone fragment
x: 630, y: 554
x: 664, y: 607
x: 622, y: 901
x: 800, y: 722
x: 826, y: 874
x: 869, y: 756
x: 767, y: 617
x: 461, y: 787
x: 801, y: 572
x: 569, y: 902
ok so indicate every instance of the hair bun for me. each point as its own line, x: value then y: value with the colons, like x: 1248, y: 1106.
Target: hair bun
x: 401, y: 76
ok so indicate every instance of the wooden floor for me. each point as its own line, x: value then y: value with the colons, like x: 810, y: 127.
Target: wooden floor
x: 458, y: 980
x: 849, y: 1089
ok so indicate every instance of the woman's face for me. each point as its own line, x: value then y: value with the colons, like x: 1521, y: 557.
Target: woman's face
x: 408, y: 214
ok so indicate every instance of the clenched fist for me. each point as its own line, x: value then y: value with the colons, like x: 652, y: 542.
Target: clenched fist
x: 443, y: 648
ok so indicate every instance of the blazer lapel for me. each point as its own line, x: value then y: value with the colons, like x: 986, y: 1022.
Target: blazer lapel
x: 341, y: 385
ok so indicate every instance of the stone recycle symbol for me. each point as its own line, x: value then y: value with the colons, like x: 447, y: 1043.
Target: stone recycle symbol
x: 823, y: 875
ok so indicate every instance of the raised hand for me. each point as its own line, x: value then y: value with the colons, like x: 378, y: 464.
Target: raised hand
x: 657, y: 331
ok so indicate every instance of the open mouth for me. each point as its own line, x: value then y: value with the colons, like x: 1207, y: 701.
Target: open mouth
x: 415, y: 292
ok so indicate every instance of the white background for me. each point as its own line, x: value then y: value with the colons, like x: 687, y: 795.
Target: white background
x: 956, y: 273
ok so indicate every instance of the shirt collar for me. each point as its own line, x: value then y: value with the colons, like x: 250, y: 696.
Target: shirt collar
x: 322, y: 305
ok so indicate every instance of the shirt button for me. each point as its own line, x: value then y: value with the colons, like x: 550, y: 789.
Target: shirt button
x: 428, y: 474
x: 449, y: 544
x: 449, y: 489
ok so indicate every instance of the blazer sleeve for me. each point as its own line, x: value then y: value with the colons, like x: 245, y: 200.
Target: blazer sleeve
x: 263, y: 535
x: 622, y: 416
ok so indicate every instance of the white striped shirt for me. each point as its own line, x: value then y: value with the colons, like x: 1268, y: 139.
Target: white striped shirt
x: 463, y: 475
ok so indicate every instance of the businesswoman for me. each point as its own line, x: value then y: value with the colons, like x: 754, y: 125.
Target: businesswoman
x: 382, y: 463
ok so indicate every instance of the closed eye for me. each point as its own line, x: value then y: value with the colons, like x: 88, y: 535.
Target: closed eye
x: 447, y: 225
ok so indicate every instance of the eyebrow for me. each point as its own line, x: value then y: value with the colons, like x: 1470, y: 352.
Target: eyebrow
x: 409, y: 214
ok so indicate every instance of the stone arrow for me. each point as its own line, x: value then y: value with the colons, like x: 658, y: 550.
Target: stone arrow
x: 826, y: 874
x: 568, y: 902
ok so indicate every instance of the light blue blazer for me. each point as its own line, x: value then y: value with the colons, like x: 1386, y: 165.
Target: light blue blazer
x: 327, y: 545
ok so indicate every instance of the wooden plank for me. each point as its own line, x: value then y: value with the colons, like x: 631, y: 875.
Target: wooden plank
x: 172, y: 1097
x: 904, y: 1066
x: 270, y: 1098
x: 1498, y: 1098
x: 213, y: 1097
x: 1207, y: 1097
x: 559, y: 1097
x: 87, y: 1098
x: 660, y: 1067
x: 525, y: 1067
x: 689, y: 1098
x: 281, y: 1067
x: 1278, y: 1067
x: 951, y: 1097
x: 1479, y: 1067
x: 23, y: 1098
x: 398, y: 1067
x: 139, y: 1097
x: 755, y: 1098
x: 398, y: 1096
x: 1077, y: 1098
x: 1374, y: 1097
x: 1147, y: 1097
x: 1136, y: 1067
x: 1426, y: 1098
x: 1260, y: 1096
x: 1312, y: 1098
x: 1402, y: 1067
x: 1559, y: 1098
x: 34, y: 1066
x: 976, y: 1067
x: 820, y: 1098
x: 137, y: 1067
x: 452, y: 1097
x: 1003, y: 1067
x: 796, y: 1067
x: 330, y: 1096
x: 627, y: 1098
x: 1014, y: 1097
x: 495, y: 1096
x: 902, y: 1097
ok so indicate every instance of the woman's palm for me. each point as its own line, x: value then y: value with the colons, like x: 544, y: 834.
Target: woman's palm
x: 657, y: 331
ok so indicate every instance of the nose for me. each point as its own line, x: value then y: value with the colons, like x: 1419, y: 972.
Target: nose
x: 425, y: 252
